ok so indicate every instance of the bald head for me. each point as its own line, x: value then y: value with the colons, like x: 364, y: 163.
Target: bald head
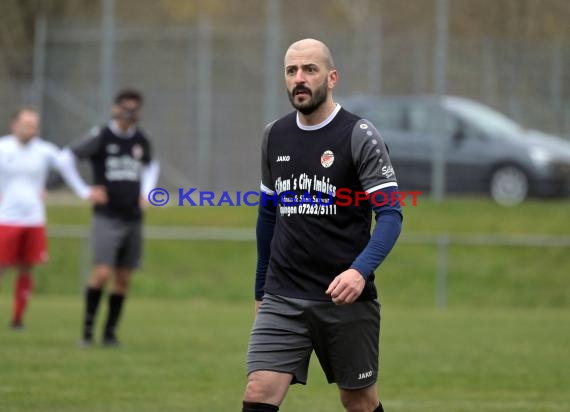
x: 314, y: 48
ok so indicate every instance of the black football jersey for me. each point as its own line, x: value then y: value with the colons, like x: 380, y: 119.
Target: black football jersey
x: 116, y: 163
x: 306, y: 168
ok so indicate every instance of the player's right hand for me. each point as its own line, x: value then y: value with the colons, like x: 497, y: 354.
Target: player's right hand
x: 346, y: 287
x: 257, y: 305
x: 98, y: 195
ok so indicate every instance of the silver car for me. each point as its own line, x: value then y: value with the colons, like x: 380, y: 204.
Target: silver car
x: 484, y: 150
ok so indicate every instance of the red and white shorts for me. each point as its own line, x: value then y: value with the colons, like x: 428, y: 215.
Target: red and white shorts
x: 22, y: 245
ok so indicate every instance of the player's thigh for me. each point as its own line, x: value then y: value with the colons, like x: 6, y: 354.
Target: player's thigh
x: 10, y: 245
x: 280, y: 339
x: 346, y: 339
x: 106, y: 237
x: 34, y: 246
x: 130, y: 250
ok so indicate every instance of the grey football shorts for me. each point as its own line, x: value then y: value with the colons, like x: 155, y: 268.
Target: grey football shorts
x: 116, y: 242
x: 345, y: 339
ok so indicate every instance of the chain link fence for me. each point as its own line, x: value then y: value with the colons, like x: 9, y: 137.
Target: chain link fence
x: 210, y: 89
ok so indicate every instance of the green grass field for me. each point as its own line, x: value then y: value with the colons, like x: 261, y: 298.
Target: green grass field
x: 501, y: 345
x: 188, y: 355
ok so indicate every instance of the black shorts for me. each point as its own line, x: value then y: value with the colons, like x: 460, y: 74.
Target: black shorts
x: 345, y: 339
x: 116, y: 242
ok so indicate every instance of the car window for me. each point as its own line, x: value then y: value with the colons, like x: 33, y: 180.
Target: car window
x: 430, y: 119
x: 489, y: 121
x: 468, y: 130
x: 386, y: 117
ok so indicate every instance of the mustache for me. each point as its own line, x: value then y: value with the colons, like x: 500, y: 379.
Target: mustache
x: 301, y: 88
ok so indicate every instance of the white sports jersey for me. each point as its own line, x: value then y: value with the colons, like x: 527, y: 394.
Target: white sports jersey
x: 23, y: 174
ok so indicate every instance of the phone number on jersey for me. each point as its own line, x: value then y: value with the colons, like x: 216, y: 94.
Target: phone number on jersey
x: 307, y: 209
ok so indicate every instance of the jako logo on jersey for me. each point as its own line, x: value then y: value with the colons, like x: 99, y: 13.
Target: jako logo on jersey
x: 283, y: 158
x: 364, y: 126
x: 365, y: 375
x: 327, y: 158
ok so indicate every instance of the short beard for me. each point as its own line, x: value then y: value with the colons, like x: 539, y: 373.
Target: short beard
x: 315, y: 101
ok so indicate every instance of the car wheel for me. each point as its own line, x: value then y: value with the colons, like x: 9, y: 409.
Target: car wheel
x: 509, y: 185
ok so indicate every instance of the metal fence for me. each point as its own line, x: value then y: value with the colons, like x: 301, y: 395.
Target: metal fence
x: 210, y: 89
x: 441, y: 241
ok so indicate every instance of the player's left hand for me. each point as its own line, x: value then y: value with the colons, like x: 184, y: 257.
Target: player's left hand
x: 346, y: 287
x: 143, y: 203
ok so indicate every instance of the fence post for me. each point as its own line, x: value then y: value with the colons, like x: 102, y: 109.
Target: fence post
x: 441, y: 271
x: 40, y: 39
x: 108, y: 39
x: 204, y: 100
x: 566, y: 120
x: 440, y: 86
x: 273, y: 70
x: 556, y: 85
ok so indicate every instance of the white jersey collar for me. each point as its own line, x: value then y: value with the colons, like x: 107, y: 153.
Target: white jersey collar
x: 118, y: 132
x: 19, y: 143
x: 321, y: 124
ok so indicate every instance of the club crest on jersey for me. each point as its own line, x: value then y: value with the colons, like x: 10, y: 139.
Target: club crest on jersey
x: 113, y: 148
x: 327, y: 159
x: 137, y: 151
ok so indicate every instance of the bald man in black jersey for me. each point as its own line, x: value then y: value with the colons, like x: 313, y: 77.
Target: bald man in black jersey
x: 316, y: 259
